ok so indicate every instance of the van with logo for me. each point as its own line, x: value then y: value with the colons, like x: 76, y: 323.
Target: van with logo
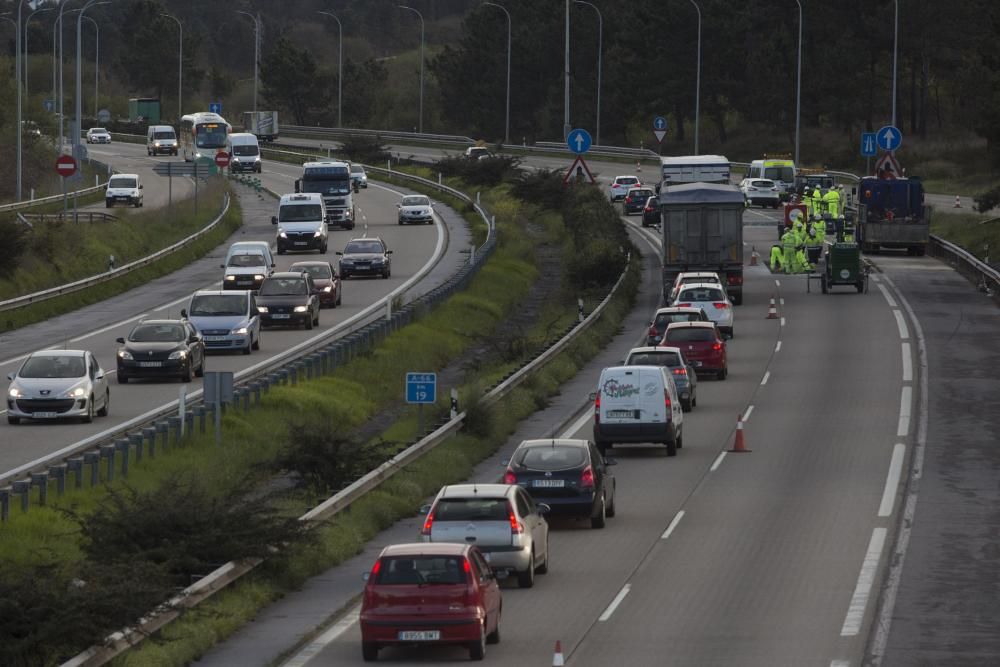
x: 637, y: 404
x: 780, y: 169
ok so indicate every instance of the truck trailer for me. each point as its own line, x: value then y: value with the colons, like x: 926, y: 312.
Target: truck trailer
x: 892, y: 214
x: 262, y: 124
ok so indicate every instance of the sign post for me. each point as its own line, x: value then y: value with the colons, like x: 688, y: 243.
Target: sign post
x: 65, y: 167
x: 660, y: 129
x: 218, y: 389
x: 421, y: 388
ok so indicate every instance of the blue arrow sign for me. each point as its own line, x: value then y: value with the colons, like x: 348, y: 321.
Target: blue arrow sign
x: 868, y: 144
x: 889, y: 138
x: 215, y: 107
x: 579, y: 141
x: 659, y: 123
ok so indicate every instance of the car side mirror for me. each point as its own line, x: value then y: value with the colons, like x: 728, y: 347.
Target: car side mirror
x: 505, y: 462
x: 593, y: 396
x: 608, y: 461
x: 120, y: 340
x: 10, y: 376
x: 272, y: 265
x: 388, y: 252
x: 339, y: 253
x: 399, y: 206
x: 222, y: 266
x: 543, y: 509
x: 193, y: 339
x: 366, y: 576
x: 140, y: 186
x: 274, y: 219
x: 184, y: 314
x: 99, y: 376
x: 424, y: 509
x: 255, y: 312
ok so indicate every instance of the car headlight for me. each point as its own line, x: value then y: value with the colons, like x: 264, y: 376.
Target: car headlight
x: 258, y: 276
x: 79, y: 392
x: 317, y: 234
x: 14, y: 392
x: 242, y: 331
x: 283, y: 235
x: 125, y: 354
x: 178, y: 354
x: 301, y: 309
x: 348, y: 214
x: 347, y: 262
x: 262, y: 309
x: 328, y: 288
x: 230, y: 277
x: 377, y: 260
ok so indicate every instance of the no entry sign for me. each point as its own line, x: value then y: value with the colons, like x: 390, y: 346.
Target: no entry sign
x: 222, y: 159
x: 65, y: 165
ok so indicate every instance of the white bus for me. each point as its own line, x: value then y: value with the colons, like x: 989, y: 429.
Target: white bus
x: 694, y: 169
x: 203, y: 134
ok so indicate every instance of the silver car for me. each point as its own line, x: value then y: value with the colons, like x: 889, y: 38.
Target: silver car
x: 358, y: 176
x: 712, y: 299
x: 415, y: 208
x: 57, y: 384
x: 501, y: 519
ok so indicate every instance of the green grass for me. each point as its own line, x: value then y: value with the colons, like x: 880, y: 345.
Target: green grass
x: 972, y: 231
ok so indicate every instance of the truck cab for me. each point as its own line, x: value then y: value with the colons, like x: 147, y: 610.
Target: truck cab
x: 331, y: 180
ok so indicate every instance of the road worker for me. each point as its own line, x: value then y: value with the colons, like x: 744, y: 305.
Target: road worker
x: 832, y: 202
x: 819, y: 227
x: 776, y: 253
x: 817, y: 201
x: 788, y: 249
x: 813, y: 248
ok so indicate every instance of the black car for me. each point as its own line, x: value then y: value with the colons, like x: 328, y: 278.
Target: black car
x: 635, y: 200
x: 570, y: 476
x: 161, y: 348
x: 365, y: 257
x: 666, y: 316
x: 651, y: 212
x: 672, y: 358
x: 287, y: 298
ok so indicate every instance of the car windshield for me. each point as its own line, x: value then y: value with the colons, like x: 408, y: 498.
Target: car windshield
x: 210, y: 135
x: 122, y: 183
x: 638, y: 194
x: 551, y: 457
x: 627, y: 181
x: 660, y: 358
x: 327, y: 186
x: 416, y: 201
x: 157, y: 333
x: 98, y: 130
x: 663, y: 319
x: 53, y: 367
x: 701, y: 294
x: 786, y: 174
x: 690, y: 335
x: 417, y: 570
x: 219, y: 304
x: 317, y: 271
x: 164, y: 135
x: 246, y: 149
x: 300, y: 213
x: 251, y: 259
x: 363, y: 247
x: 471, y: 509
x: 357, y: 169
x: 762, y: 184
x: 283, y: 287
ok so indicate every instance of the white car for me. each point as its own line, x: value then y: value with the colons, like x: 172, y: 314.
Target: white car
x: 761, y: 191
x: 415, y: 208
x: 686, y: 277
x: 58, y: 384
x: 123, y: 189
x: 98, y: 135
x: 477, y: 153
x: 712, y: 299
x: 358, y: 176
x: 621, y: 185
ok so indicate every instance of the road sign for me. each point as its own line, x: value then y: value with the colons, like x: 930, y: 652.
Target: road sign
x: 887, y: 167
x: 49, y: 105
x: 222, y: 159
x: 421, y: 387
x: 659, y: 128
x: 65, y: 165
x: 204, y: 166
x: 889, y: 138
x: 868, y: 145
x: 579, y: 141
x: 215, y: 107
x: 103, y: 115
x: 578, y: 171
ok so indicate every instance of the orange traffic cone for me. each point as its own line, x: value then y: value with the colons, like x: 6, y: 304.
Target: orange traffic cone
x: 958, y: 202
x: 772, y: 310
x: 638, y: 166
x: 739, y: 446
x: 557, y: 659
x: 754, y: 256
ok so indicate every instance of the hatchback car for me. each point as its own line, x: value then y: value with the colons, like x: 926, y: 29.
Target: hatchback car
x: 430, y: 594
x: 673, y: 359
x: 762, y: 191
x: 98, y: 135
x: 325, y: 278
x: 569, y: 476
x: 651, y: 212
x: 712, y: 299
x: 701, y: 345
x: 669, y: 315
x: 502, y: 520
x: 365, y: 257
x: 635, y: 200
x: 161, y: 348
x: 477, y: 153
x: 415, y: 208
x: 621, y: 185
x: 685, y: 277
x: 227, y: 320
x: 358, y: 176
x: 56, y: 384
x: 288, y: 298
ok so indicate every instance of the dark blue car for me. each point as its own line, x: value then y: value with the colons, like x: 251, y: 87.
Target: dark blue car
x: 672, y: 358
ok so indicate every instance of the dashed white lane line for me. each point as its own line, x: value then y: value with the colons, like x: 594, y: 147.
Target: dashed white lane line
x: 577, y: 425
x: 904, y: 332
x: 313, y: 648
x: 907, y: 364
x: 892, y: 480
x: 782, y: 321
x: 888, y: 297
x: 905, y: 399
x: 777, y: 282
x: 782, y: 300
x: 863, y: 589
x: 777, y: 346
x: 614, y: 603
x: 718, y: 461
x: 767, y: 376
x: 673, y: 525
x: 840, y: 663
x: 746, y: 415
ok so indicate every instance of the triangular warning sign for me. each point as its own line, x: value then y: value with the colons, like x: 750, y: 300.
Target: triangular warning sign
x: 887, y: 167
x: 578, y: 171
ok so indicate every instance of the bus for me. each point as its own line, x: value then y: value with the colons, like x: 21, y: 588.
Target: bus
x: 203, y: 134
x: 694, y: 169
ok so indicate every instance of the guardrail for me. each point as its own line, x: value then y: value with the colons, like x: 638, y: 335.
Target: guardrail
x: 981, y: 274
x: 53, y: 199
x: 560, y: 147
x: 75, y: 216
x: 415, y: 137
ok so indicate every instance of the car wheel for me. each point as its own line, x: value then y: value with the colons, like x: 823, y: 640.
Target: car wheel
x: 122, y: 378
x: 308, y: 323
x: 186, y: 376
x: 89, y: 417
x: 108, y: 203
x: 680, y: 441
x: 686, y: 406
x: 103, y: 412
x: 13, y: 420
x: 526, y: 579
x: 281, y: 251
x: 724, y: 373
x: 544, y: 567
x: 400, y: 223
x: 323, y: 249
x: 611, y: 507
x: 601, y: 518
x: 316, y: 321
x: 255, y: 344
x: 671, y: 446
x: 201, y: 367
x: 477, y: 650
x: 494, y: 637
x: 369, y: 651
x: 249, y: 346
x: 694, y: 400
x: 339, y: 297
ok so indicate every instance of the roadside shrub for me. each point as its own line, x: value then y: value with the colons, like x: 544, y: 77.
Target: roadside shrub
x: 485, y: 172
x: 988, y: 200
x: 479, y: 417
x: 16, y: 241
x: 543, y: 187
x: 365, y: 149
x: 599, y: 238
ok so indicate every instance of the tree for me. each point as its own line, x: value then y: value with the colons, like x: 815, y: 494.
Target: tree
x: 291, y: 80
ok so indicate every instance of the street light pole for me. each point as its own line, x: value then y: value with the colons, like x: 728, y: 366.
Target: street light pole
x: 26, y: 22
x: 62, y: 6
x: 20, y: 126
x: 420, y: 124
x: 697, y: 88
x: 566, y: 125
x: 79, y: 70
x: 256, y: 54
x: 506, y: 125
x: 798, y: 89
x: 180, y: 64
x: 600, y: 48
x: 97, y: 60
x: 895, y: 50
x: 340, y: 68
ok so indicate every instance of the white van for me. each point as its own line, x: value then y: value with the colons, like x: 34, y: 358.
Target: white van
x: 244, y: 152
x: 781, y: 170
x: 123, y: 189
x: 301, y: 222
x: 161, y: 140
x: 637, y: 404
x: 682, y: 169
x: 247, y: 264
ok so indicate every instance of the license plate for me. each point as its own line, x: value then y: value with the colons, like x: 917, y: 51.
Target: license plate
x: 280, y: 316
x: 697, y: 364
x: 45, y: 415
x: 150, y: 364
x: 548, y: 483
x: 214, y: 339
x: 301, y: 243
x: 419, y: 635
x: 620, y: 414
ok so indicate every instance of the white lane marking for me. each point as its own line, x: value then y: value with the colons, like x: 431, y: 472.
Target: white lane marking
x: 782, y: 321
x: 777, y: 346
x: 904, y: 333
x: 875, y: 277
x: 766, y: 376
x: 673, y: 524
x: 863, y: 589
x: 905, y: 398
x: 313, y: 648
x: 907, y: 364
x: 777, y: 282
x: 746, y: 415
x: 718, y: 461
x: 782, y: 300
x: 892, y: 480
x: 578, y: 424
x: 840, y: 663
x: 614, y: 603
x: 888, y: 297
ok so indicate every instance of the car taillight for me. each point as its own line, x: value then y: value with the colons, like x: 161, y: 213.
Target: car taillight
x: 648, y: 209
x: 684, y: 305
x: 587, y: 478
x: 597, y: 408
x: 666, y: 400
x: 734, y: 279
x: 652, y: 332
x: 721, y: 304
x: 375, y: 569
x: 680, y: 371
x: 465, y: 566
x: 515, y: 526
x: 509, y: 477
x: 428, y: 523
x: 716, y: 346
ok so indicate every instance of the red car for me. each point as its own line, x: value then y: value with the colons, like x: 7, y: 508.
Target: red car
x: 325, y: 278
x: 701, y: 344
x: 430, y: 593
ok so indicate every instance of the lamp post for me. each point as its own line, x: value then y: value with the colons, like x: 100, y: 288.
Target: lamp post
x: 256, y: 54
x: 506, y: 125
x: 79, y: 69
x: 20, y: 126
x: 798, y: 89
x: 26, y: 21
x: 697, y: 87
x: 59, y: 101
x: 895, y: 50
x: 600, y: 39
x: 340, y: 68
x: 420, y: 122
x: 97, y: 59
x: 180, y: 64
x: 566, y: 125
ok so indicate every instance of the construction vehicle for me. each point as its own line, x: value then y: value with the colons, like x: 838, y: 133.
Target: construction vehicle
x: 778, y: 168
x: 892, y: 214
